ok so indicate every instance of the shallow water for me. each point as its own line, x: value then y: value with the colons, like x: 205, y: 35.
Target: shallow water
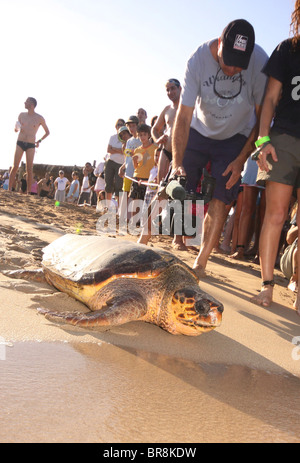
x: 58, y: 392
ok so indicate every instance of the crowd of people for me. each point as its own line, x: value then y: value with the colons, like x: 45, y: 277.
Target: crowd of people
x: 235, y: 100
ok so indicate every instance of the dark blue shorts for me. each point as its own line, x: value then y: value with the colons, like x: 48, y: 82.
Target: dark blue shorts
x: 200, y: 150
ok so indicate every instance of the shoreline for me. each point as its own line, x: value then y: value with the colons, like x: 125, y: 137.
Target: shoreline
x: 65, y: 384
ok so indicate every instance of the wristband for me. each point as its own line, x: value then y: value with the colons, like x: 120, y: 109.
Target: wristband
x: 262, y: 140
x: 255, y: 154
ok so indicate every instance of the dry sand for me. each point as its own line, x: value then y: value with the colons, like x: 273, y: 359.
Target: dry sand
x: 232, y: 373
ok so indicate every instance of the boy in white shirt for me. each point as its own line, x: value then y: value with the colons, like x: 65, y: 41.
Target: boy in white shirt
x: 60, y: 184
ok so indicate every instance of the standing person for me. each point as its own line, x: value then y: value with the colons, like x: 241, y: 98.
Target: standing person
x: 151, y: 189
x: 85, y: 193
x: 73, y: 193
x: 142, y: 115
x: 143, y: 161
x: 279, y: 158
x: 127, y: 169
x: 115, y: 159
x: 92, y: 181
x: 28, y: 125
x: 99, y: 173
x: 60, y: 184
x: 224, y: 79
x: 250, y: 195
x: 162, y: 128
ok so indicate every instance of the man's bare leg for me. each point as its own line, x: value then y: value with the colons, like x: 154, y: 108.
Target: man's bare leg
x: 29, y: 168
x: 212, y: 227
x: 14, y: 169
x: 163, y: 167
x: 277, y: 204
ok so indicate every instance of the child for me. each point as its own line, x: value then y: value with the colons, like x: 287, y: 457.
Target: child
x: 24, y: 183
x: 34, y: 186
x: 60, y: 184
x: 85, y: 193
x: 151, y: 190
x: 143, y: 161
x: 73, y: 193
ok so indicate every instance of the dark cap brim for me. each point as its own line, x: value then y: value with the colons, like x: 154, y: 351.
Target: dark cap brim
x: 236, y: 59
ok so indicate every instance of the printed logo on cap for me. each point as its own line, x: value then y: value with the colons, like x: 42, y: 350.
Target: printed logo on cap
x: 240, y: 42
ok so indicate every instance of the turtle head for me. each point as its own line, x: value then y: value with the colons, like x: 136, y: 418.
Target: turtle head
x: 195, y: 312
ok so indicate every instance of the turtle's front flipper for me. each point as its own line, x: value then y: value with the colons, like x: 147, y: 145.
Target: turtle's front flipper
x: 32, y: 275
x: 119, y: 310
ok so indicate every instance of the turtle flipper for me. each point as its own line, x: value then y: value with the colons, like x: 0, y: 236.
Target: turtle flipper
x: 32, y: 275
x: 119, y: 310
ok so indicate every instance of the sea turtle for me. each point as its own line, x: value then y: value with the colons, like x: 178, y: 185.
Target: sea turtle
x: 121, y: 281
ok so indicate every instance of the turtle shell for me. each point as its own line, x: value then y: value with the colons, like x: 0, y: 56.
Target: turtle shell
x: 95, y: 259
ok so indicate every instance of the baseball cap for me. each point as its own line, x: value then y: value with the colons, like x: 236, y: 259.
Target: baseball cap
x: 238, y: 40
x: 133, y: 119
x: 122, y: 129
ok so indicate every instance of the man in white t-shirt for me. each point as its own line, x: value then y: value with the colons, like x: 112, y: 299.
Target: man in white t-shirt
x: 115, y: 159
x: 217, y: 120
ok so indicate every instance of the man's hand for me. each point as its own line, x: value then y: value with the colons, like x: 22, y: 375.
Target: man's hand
x: 262, y: 157
x: 235, y: 167
x: 163, y: 139
x: 177, y: 171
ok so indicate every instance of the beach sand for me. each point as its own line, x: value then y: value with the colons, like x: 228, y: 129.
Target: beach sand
x: 136, y: 382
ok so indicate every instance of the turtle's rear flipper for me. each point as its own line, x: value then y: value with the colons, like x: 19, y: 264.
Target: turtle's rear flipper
x: 32, y: 275
x: 119, y: 310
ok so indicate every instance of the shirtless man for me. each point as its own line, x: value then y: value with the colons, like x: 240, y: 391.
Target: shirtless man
x: 28, y: 124
x: 162, y: 129
x: 162, y: 135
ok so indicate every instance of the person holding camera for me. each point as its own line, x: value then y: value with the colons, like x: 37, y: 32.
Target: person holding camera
x: 217, y: 121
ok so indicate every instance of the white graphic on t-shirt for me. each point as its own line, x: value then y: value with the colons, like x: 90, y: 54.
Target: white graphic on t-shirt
x: 296, y: 90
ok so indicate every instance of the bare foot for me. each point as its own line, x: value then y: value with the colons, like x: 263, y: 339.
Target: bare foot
x: 200, y: 271
x: 222, y: 250
x: 264, y: 298
x: 178, y: 244
x: 238, y: 255
x: 143, y: 239
x: 296, y: 305
x: 179, y: 247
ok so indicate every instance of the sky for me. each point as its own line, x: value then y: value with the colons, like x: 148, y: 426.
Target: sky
x: 90, y: 62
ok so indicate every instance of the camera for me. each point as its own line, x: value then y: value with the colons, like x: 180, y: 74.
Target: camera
x: 175, y: 190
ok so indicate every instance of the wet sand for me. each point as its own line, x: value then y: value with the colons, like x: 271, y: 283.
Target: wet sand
x: 137, y: 383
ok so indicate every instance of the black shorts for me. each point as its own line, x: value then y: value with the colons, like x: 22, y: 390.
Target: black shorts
x: 25, y: 146
x: 137, y: 191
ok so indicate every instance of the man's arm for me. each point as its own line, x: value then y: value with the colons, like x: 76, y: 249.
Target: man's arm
x: 47, y: 132
x: 272, y: 97
x: 180, y: 137
x: 158, y: 129
x: 112, y: 150
x: 236, y: 166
